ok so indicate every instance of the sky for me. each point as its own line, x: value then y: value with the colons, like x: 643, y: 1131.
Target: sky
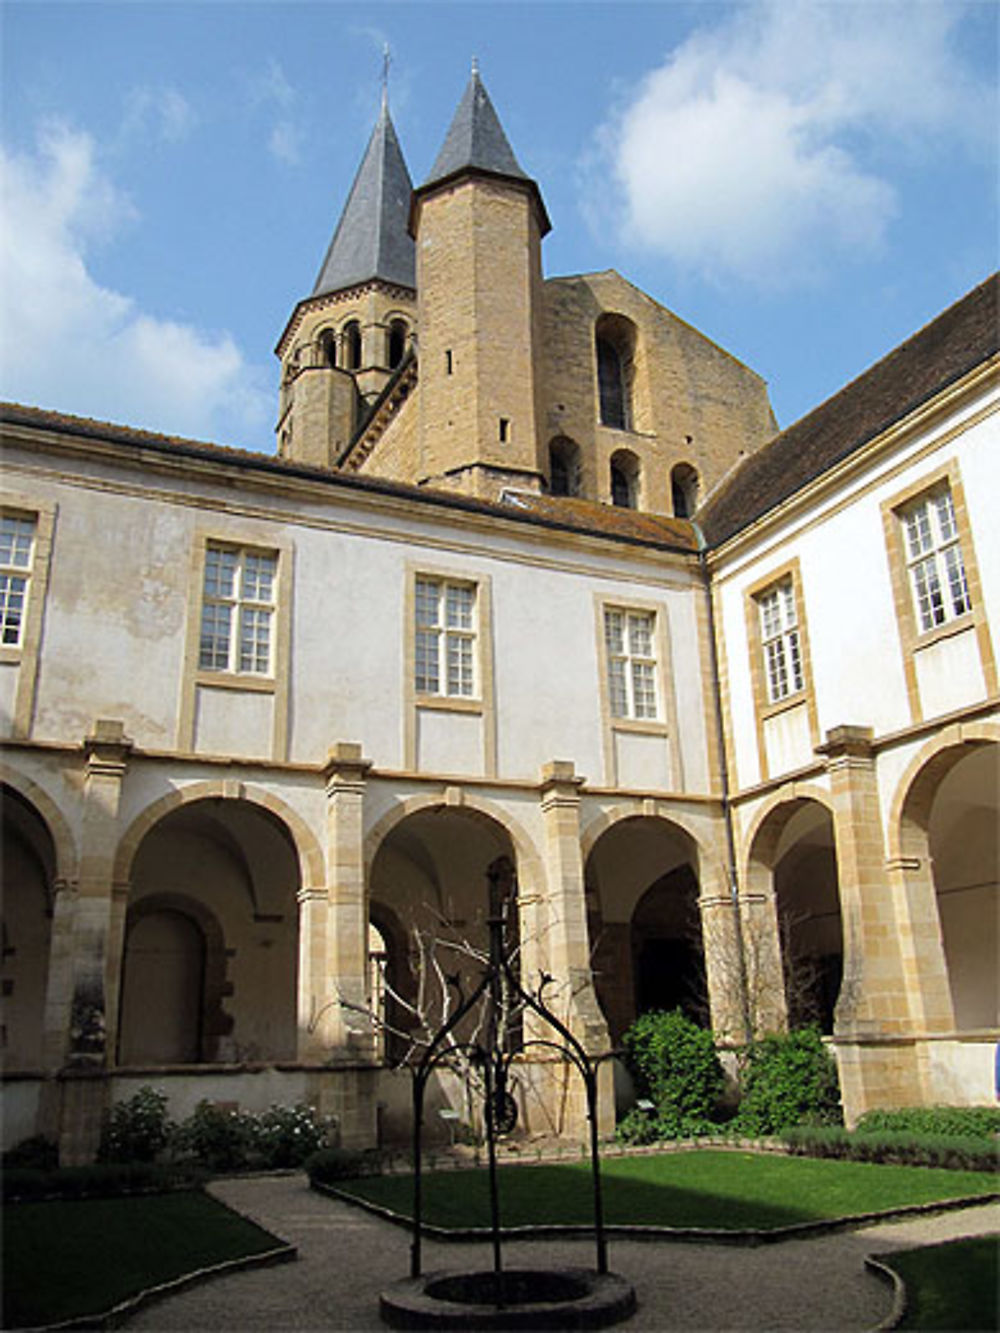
x: 806, y: 182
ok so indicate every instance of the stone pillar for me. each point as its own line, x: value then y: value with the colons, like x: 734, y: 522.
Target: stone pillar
x: 347, y: 1029
x: 873, y: 1004
x: 565, y: 944
x: 97, y: 944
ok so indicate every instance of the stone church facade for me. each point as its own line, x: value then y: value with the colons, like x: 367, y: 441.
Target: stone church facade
x: 531, y: 577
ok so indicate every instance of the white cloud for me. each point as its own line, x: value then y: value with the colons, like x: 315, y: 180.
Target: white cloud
x: 272, y: 91
x: 761, y: 147
x: 163, y: 113
x: 68, y: 343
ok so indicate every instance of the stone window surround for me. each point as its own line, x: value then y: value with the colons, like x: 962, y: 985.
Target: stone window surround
x: 25, y: 655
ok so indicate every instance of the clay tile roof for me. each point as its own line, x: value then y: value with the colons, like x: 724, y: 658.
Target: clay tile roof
x: 372, y: 240
x: 606, y: 520
x: 961, y: 338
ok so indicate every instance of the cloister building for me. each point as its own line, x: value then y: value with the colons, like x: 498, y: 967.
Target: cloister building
x: 532, y: 576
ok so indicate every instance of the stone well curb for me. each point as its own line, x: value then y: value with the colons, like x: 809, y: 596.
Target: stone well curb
x: 624, y: 1231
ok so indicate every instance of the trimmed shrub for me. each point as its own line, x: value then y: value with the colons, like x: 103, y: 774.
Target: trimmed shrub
x: 101, y: 1181
x: 787, y: 1079
x: 951, y: 1151
x: 676, y: 1067
x: 952, y: 1121
x: 287, y: 1135
x: 37, y: 1154
x: 220, y: 1139
x: 136, y: 1130
x: 334, y: 1164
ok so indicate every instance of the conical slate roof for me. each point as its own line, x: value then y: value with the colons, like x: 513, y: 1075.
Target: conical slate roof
x: 475, y: 139
x: 371, y: 240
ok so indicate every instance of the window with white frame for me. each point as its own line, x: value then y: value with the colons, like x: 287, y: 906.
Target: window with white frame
x: 630, y: 648
x: 445, y: 638
x: 237, y: 611
x: 17, y: 549
x: 780, y: 642
x: 934, y: 560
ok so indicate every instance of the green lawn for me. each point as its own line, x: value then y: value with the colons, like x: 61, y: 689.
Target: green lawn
x: 728, y: 1190
x: 950, y: 1286
x: 63, y: 1259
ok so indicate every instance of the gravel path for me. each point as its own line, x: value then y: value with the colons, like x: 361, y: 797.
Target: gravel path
x: 347, y: 1256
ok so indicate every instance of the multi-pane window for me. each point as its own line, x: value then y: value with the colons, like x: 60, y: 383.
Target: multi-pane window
x: 445, y: 638
x: 934, y: 560
x: 17, y: 548
x: 631, y: 658
x: 237, y: 612
x: 780, y: 642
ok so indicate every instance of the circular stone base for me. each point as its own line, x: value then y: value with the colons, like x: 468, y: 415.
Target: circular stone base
x: 566, y: 1298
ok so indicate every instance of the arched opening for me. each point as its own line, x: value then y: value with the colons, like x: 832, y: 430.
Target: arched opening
x: 352, y: 345
x: 684, y: 490
x: 964, y: 844
x: 397, y: 342
x: 228, y: 869
x: 328, y: 348
x: 163, y: 989
x: 644, y: 922
x: 614, y: 341
x: 27, y: 872
x: 564, y: 467
x: 794, y: 849
x: 625, y: 477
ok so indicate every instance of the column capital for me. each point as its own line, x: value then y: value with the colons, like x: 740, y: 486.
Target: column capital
x: 558, y: 779
x: 847, y: 743
x: 107, y: 747
x: 345, y: 764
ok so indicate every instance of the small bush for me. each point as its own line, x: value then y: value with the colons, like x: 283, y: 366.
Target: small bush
x: 334, y: 1164
x: 952, y: 1121
x: 220, y: 1139
x: 136, y: 1130
x: 101, y: 1181
x: 287, y: 1135
x: 37, y: 1153
x: 787, y: 1079
x: 676, y: 1067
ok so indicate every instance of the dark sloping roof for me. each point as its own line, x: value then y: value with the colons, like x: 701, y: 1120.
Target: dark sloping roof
x: 961, y: 338
x: 475, y: 139
x: 372, y: 240
x: 623, y: 525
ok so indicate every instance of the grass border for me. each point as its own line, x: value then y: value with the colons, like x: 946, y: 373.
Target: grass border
x: 622, y: 1231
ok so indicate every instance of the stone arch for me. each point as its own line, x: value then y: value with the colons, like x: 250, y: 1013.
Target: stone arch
x: 58, y: 827
x: 564, y: 466
x: 711, y: 871
x: 944, y: 850
x: 351, y: 344
x: 312, y: 864
x: 396, y: 338
x: 625, y: 479
x: 530, y: 869
x: 615, y: 338
x: 685, y: 486
x: 793, y: 939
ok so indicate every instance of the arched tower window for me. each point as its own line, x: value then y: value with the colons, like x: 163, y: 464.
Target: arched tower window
x: 328, y: 348
x: 615, y: 347
x: 684, y: 486
x: 352, y: 345
x: 397, y: 342
x: 625, y: 473
x: 564, y: 467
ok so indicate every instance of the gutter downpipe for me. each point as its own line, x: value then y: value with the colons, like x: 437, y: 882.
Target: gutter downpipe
x: 727, y: 808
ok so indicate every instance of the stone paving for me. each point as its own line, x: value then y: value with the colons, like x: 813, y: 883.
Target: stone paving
x: 347, y: 1256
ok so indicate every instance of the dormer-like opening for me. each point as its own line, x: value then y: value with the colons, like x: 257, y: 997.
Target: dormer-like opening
x: 625, y: 478
x: 684, y: 489
x: 564, y: 467
x: 397, y: 342
x: 352, y: 345
x: 614, y: 341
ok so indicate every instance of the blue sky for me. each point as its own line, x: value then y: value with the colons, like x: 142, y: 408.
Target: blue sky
x: 806, y: 183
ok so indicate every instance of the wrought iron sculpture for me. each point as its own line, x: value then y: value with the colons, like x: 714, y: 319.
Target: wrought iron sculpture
x: 499, y: 989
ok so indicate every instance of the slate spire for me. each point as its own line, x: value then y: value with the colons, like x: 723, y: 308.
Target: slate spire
x: 371, y: 240
x: 475, y: 138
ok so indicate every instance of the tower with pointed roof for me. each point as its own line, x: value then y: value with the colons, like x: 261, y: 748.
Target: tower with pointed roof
x: 352, y: 334
x: 478, y: 221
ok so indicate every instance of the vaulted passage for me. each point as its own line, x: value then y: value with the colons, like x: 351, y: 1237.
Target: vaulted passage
x: 211, y: 939
x: 27, y: 873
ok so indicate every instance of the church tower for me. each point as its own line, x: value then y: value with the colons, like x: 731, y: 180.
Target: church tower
x: 478, y: 222
x: 350, y: 336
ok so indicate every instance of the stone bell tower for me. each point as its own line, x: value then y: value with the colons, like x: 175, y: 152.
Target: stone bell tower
x: 351, y: 335
x: 478, y: 221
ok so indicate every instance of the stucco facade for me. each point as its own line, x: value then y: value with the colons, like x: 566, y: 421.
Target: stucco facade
x: 531, y: 580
